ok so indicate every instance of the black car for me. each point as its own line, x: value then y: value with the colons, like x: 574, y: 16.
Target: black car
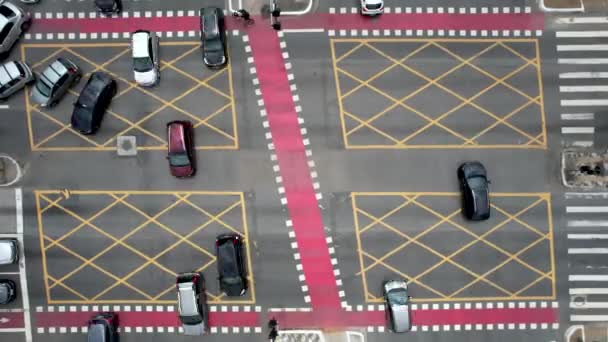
x: 8, y: 291
x: 92, y: 103
x: 102, y: 328
x: 475, y: 190
x: 229, y: 251
x: 108, y: 7
x: 213, y: 37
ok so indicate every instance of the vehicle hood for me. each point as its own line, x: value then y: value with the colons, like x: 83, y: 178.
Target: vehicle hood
x: 395, y: 284
x: 214, y: 58
x: 105, y: 4
x: 373, y: 2
x: 181, y: 171
x: 193, y: 329
x: 234, y: 289
x: 148, y: 77
x: 38, y: 97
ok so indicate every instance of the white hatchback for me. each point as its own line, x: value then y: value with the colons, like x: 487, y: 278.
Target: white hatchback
x: 145, y: 48
x: 372, y: 7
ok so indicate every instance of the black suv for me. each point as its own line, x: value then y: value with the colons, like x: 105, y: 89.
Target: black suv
x: 94, y: 98
x: 229, y: 251
x: 108, y: 7
x: 213, y: 37
x: 475, y: 190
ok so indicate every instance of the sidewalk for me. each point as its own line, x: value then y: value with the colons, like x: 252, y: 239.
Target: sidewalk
x: 574, y: 5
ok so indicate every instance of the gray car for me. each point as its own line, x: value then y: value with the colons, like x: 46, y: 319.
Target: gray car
x: 54, y: 82
x: 8, y: 291
x: 397, y: 302
x: 191, y: 303
x: 13, y: 77
x: 9, y: 251
x: 13, y: 22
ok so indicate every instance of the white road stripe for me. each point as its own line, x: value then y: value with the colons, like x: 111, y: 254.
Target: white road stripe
x: 571, y: 209
x: 587, y: 223
x: 588, y: 318
x: 577, y: 116
x: 585, y: 277
x: 578, y: 130
x: 586, y: 291
x: 582, y: 143
x: 589, y: 305
x: 582, y: 61
x: 581, y: 20
x: 583, y: 89
x: 581, y: 34
x: 304, y: 30
x: 583, y: 47
x: 583, y: 103
x: 22, y: 273
x: 9, y: 273
x: 584, y: 74
x: 4, y: 106
x: 587, y: 236
x: 12, y: 330
x: 587, y: 250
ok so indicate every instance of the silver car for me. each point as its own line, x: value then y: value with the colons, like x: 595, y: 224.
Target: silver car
x: 397, y: 305
x: 146, y: 68
x: 13, y: 77
x: 9, y: 251
x: 54, y: 82
x: 191, y: 303
x: 13, y: 22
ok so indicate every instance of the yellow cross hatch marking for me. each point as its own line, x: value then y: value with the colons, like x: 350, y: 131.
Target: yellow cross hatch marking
x: 58, y: 199
x: 535, y: 140
x: 229, y: 133
x: 415, y: 200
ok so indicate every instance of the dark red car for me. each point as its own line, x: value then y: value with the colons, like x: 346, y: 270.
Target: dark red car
x: 181, y: 156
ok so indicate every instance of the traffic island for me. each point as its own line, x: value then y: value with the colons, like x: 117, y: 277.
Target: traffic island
x: 562, y: 5
x: 585, y: 169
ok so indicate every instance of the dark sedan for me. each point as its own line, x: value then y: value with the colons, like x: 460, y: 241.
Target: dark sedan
x: 475, y: 190
x: 229, y: 250
x: 108, y: 7
x: 213, y: 37
x: 92, y: 103
x: 8, y: 291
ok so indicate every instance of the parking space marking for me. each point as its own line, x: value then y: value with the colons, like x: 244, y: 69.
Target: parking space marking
x: 415, y: 200
x: 536, y: 139
x: 53, y: 199
x: 92, y: 145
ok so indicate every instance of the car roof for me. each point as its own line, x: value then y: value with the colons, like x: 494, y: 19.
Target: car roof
x: 177, y: 139
x: 9, y: 71
x: 227, y: 258
x: 209, y: 21
x: 54, y: 71
x: 96, y: 332
x: 187, y: 299
x: 139, y: 41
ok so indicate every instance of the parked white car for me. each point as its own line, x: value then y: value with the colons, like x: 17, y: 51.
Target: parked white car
x: 145, y: 48
x: 372, y: 7
x: 13, y: 22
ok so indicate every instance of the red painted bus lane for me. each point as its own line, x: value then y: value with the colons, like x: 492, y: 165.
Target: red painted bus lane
x: 422, y: 21
x: 145, y: 319
x: 302, y: 204
x: 301, y: 320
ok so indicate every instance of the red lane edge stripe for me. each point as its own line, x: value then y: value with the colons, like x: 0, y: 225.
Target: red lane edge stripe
x: 302, y: 204
x: 145, y: 319
x: 392, y: 21
x: 300, y: 320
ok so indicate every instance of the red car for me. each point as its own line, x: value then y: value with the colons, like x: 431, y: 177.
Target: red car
x: 181, y: 156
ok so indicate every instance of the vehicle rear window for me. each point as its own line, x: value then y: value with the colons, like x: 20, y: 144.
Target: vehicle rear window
x: 7, y: 12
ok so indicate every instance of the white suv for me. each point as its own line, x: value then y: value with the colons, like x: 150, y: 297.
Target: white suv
x: 145, y: 58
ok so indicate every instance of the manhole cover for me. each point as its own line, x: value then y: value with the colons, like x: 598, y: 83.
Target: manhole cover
x: 126, y: 145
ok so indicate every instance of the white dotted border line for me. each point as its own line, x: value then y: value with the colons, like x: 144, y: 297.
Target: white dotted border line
x: 469, y: 327
x: 114, y: 35
x: 140, y: 308
x: 212, y: 330
x: 123, y: 15
x: 439, y: 10
x: 465, y: 306
x: 437, y: 33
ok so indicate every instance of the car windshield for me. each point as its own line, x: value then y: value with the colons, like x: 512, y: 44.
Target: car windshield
x: 43, y: 87
x: 190, y: 320
x: 398, y: 296
x: 477, y: 182
x: 143, y: 64
x: 178, y: 159
x: 213, y: 44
